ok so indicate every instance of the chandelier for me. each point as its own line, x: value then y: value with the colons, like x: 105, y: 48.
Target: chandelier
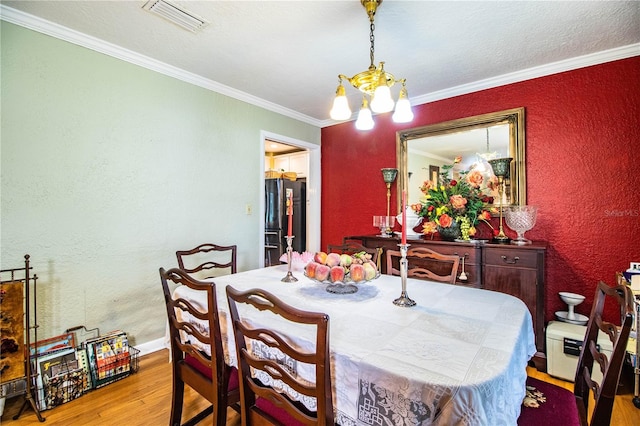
x: 375, y: 83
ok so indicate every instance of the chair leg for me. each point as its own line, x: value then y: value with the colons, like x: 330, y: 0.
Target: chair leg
x: 176, y: 402
x: 199, y: 417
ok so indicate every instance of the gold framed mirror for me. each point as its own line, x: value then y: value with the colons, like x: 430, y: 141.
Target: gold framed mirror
x: 421, y: 151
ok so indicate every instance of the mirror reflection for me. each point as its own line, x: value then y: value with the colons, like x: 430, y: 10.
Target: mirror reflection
x: 422, y: 151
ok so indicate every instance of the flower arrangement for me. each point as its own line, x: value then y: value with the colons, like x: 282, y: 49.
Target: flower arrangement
x: 456, y: 202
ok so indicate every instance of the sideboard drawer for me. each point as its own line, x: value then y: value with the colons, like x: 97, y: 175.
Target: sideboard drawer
x: 470, y: 253
x: 512, y: 258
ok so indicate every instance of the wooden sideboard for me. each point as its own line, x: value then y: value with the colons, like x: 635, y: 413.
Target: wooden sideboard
x: 515, y: 270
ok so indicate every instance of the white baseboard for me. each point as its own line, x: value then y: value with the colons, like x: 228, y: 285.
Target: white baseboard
x: 152, y: 346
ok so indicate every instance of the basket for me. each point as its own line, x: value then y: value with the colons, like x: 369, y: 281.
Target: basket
x: 271, y: 174
x: 290, y: 175
x: 63, y: 388
x: 116, y: 368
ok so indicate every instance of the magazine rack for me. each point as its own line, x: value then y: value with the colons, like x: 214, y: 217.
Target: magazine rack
x: 109, y: 357
x: 20, y: 323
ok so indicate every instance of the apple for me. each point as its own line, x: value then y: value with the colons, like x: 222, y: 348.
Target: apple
x: 357, y: 272
x: 336, y: 274
x: 310, y: 269
x: 322, y: 272
x: 370, y: 271
x: 320, y: 257
x: 346, y: 260
x: 333, y: 259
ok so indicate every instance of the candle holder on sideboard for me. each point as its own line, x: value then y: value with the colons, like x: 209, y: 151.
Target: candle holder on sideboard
x: 389, y: 175
x: 501, y: 167
x: 289, y: 278
x: 404, y: 300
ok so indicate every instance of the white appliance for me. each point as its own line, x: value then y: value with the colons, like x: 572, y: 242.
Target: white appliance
x: 564, y: 341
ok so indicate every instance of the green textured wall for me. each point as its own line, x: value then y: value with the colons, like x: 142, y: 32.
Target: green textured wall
x: 108, y: 168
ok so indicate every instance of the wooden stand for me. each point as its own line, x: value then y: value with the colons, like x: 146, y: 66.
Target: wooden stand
x: 14, y: 276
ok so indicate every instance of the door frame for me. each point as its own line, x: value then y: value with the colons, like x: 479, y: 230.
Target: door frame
x: 313, y: 190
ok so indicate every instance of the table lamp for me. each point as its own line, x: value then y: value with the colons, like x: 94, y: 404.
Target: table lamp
x: 501, y: 168
x: 389, y: 175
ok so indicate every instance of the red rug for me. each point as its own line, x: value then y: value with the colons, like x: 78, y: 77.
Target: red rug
x: 558, y: 410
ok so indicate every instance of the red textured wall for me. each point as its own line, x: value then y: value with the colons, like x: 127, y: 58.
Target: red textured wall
x: 583, y: 170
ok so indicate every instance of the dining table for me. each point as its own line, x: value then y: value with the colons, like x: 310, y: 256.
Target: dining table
x: 458, y: 357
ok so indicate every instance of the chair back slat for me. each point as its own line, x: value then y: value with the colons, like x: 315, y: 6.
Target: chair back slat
x: 611, y: 366
x: 208, y: 260
x: 197, y: 355
x: 426, y: 264
x: 267, y: 359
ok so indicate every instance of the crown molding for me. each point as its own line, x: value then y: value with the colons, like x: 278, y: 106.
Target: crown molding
x: 63, y: 33
x: 570, y: 64
x: 46, y: 27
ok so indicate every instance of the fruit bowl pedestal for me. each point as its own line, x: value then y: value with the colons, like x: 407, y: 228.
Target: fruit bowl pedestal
x: 342, y: 288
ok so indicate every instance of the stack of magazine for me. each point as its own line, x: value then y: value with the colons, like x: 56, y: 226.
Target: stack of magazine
x: 65, y: 372
x: 61, y: 374
x: 109, y: 357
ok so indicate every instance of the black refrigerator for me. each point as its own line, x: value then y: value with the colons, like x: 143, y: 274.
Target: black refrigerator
x: 276, y: 221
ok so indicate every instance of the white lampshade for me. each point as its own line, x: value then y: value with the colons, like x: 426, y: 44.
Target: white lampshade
x: 382, y: 101
x: 403, y: 112
x: 365, y: 120
x: 340, y: 110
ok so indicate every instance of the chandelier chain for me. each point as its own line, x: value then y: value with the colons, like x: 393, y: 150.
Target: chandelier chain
x: 372, y: 38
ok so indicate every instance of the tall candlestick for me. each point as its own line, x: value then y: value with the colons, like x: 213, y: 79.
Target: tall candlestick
x: 404, y: 217
x: 290, y: 212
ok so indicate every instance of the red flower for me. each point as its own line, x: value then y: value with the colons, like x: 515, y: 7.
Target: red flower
x: 430, y: 208
x: 445, y: 221
x: 453, y: 182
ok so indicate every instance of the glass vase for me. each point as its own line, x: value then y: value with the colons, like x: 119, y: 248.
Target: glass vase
x: 451, y: 233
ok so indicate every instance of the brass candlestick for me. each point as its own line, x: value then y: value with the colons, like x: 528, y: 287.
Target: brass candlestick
x: 501, y: 168
x: 389, y: 175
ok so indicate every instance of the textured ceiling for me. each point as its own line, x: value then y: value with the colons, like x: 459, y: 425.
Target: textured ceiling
x: 290, y: 53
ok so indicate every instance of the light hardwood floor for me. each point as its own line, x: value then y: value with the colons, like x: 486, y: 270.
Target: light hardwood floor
x: 143, y: 399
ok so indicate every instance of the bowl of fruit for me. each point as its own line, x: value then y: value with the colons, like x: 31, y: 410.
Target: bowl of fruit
x: 342, y: 272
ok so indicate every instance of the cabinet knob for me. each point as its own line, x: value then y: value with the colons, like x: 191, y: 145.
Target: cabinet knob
x: 511, y: 262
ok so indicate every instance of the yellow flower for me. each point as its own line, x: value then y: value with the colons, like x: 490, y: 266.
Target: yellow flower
x: 441, y: 210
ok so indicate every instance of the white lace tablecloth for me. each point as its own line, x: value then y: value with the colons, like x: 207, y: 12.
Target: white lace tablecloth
x: 456, y: 358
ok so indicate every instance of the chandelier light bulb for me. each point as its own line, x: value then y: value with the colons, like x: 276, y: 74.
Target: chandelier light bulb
x: 340, y: 110
x: 382, y: 100
x: 403, y: 112
x: 365, y: 120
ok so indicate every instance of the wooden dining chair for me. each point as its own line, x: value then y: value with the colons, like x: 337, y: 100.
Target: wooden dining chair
x: 565, y: 408
x: 208, y: 260
x: 197, y: 357
x: 352, y: 247
x: 426, y: 264
x: 261, y: 401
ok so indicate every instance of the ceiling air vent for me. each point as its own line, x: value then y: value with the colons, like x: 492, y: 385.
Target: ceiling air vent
x: 176, y: 14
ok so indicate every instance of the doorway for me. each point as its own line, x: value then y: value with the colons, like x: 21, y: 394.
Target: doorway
x: 281, y: 152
